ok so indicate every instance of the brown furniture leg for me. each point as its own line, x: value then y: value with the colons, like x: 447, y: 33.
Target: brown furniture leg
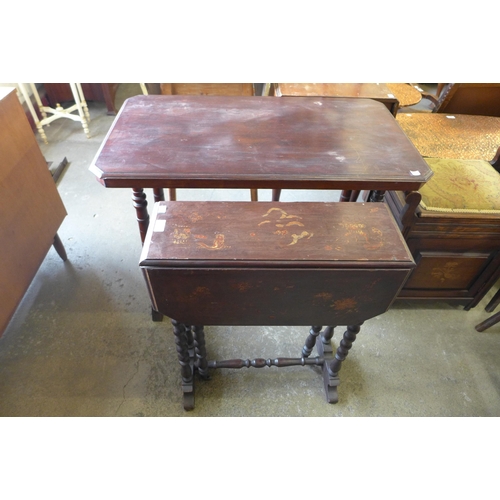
x: 492, y: 320
x: 159, y: 194
x: 141, y: 209
x: 186, y: 362
x: 493, y: 303
x: 345, y: 195
x: 490, y: 307
x: 276, y: 194
x: 58, y: 245
x: 108, y: 98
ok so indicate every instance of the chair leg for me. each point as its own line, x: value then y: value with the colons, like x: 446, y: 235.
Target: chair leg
x: 172, y: 194
x: 58, y: 245
x: 492, y: 320
x: 254, y: 195
x: 493, y: 303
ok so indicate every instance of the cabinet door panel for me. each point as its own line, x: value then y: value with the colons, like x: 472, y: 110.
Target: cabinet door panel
x: 447, y: 271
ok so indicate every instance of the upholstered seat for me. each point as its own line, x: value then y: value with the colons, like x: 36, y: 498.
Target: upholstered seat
x: 452, y: 228
x: 461, y: 186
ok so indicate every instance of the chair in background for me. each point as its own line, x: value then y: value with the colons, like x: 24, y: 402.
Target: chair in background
x: 454, y: 233
x: 467, y: 99
x: 58, y: 111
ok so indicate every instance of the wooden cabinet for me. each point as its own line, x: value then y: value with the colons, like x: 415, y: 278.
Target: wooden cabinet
x: 30, y: 205
x: 457, y: 254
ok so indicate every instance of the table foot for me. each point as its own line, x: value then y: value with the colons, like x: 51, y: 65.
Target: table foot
x: 156, y: 315
x: 187, y: 365
x: 188, y: 397
x: 487, y: 323
x: 325, y: 350
x: 331, y: 384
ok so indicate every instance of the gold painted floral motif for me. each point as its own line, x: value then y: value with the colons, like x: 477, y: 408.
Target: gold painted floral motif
x: 448, y: 271
x: 181, y: 235
x: 218, y: 243
x: 297, y: 237
x: 195, y: 217
x: 280, y: 221
x: 372, y: 238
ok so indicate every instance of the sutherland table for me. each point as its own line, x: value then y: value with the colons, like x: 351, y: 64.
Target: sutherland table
x: 269, y: 263
x: 255, y: 142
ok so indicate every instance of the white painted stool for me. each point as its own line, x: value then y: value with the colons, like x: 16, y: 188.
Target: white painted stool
x: 59, y: 112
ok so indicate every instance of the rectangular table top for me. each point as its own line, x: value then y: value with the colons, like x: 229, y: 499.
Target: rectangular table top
x: 272, y: 263
x: 257, y: 142
x: 299, y: 234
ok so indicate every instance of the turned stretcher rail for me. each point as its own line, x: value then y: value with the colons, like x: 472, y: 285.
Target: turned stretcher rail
x: 261, y: 362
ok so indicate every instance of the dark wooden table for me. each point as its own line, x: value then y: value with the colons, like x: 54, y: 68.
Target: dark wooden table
x: 255, y: 142
x: 269, y: 263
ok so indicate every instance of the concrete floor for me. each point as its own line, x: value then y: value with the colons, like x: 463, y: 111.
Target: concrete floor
x: 82, y: 342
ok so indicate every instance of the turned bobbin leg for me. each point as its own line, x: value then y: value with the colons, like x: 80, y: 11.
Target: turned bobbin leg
x: 79, y: 106
x: 343, y: 349
x: 141, y: 209
x: 200, y: 351
x: 82, y: 100
x: 332, y: 366
x: 181, y: 345
x: 311, y: 341
x: 345, y: 195
x: 327, y: 334
x: 159, y: 194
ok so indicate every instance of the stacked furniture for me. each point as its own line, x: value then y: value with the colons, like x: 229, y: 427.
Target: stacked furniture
x: 452, y: 224
x: 452, y: 228
x: 264, y: 263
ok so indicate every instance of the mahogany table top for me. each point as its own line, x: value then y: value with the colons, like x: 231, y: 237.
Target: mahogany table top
x: 257, y: 142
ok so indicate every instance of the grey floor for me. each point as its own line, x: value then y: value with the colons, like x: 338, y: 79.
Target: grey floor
x: 82, y: 342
